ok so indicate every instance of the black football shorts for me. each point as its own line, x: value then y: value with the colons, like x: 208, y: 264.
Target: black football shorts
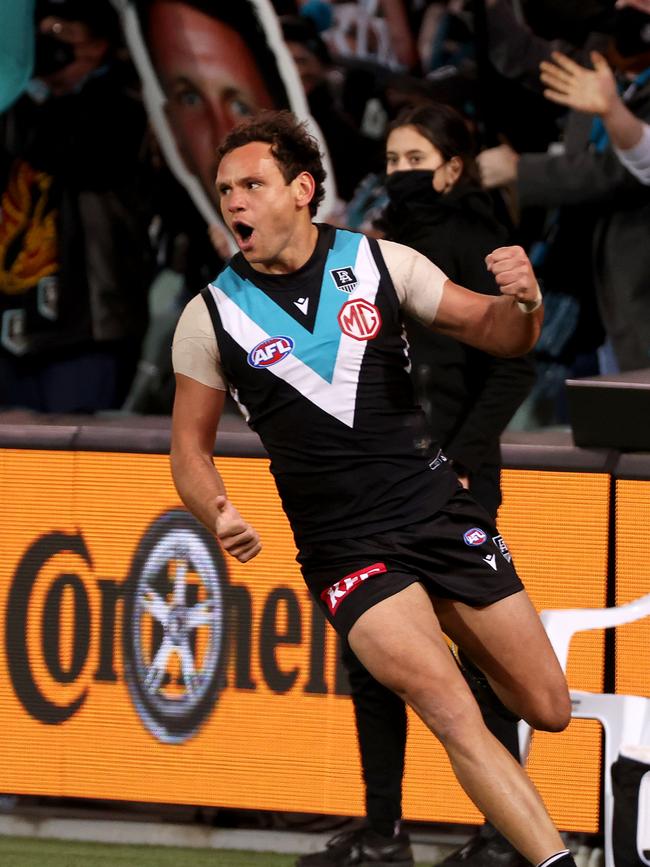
x: 456, y: 554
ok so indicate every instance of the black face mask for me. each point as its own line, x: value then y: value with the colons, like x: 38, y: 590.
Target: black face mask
x: 411, y: 187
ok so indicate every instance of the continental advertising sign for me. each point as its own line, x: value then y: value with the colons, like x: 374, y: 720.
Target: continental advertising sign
x: 138, y: 664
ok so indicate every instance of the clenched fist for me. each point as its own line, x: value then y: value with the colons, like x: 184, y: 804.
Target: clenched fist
x: 235, y: 535
x: 514, y: 275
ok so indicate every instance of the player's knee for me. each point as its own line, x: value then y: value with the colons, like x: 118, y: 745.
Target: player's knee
x: 453, y: 719
x: 552, y: 714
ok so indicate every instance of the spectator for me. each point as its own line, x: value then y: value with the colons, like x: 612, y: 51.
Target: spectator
x: 599, y: 213
x: 351, y: 152
x: 74, y: 266
x: 594, y: 91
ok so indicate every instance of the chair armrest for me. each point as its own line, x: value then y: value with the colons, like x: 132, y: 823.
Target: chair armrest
x: 561, y: 624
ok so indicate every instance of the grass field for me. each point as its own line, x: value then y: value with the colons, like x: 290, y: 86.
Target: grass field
x: 29, y: 852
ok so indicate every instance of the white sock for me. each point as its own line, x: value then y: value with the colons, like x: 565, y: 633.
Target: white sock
x: 553, y: 858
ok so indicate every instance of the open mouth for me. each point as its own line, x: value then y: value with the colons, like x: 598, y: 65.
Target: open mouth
x: 242, y: 231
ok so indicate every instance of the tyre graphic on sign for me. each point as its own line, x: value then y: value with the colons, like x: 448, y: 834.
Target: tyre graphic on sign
x: 174, y: 625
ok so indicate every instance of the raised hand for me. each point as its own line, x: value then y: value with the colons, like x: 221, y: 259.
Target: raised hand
x: 568, y: 83
x: 235, y: 535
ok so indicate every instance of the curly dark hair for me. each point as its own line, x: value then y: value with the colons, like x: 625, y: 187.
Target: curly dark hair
x: 294, y: 149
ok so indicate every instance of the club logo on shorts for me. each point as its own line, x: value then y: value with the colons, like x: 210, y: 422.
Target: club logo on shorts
x: 359, y: 319
x: 503, y: 548
x: 344, y: 279
x: 474, y: 537
x: 337, y: 592
x: 270, y: 351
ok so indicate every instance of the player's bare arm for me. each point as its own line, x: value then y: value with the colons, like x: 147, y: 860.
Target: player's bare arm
x: 196, y: 415
x: 507, y: 325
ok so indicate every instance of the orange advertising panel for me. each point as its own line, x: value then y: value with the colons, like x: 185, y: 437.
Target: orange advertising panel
x: 137, y: 664
x: 556, y: 524
x: 632, y: 581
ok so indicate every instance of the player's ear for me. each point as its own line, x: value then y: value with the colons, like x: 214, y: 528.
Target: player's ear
x: 304, y: 188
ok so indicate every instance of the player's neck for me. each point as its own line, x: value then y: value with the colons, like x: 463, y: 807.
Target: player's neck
x: 294, y: 254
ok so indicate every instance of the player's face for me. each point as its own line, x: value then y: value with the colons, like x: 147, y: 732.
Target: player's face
x: 266, y: 215
x: 407, y: 149
x: 209, y: 77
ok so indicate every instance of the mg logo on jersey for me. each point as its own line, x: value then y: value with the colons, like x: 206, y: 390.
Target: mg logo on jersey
x: 359, y: 319
x: 337, y: 592
x: 474, y: 537
x: 270, y: 351
x: 344, y: 279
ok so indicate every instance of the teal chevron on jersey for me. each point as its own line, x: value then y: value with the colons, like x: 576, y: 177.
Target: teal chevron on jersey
x: 319, y: 349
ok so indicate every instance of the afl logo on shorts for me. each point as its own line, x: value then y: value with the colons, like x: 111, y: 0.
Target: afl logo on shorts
x: 474, y: 537
x: 270, y: 351
x: 359, y: 319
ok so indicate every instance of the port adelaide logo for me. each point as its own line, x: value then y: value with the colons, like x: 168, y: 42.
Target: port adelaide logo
x: 344, y: 279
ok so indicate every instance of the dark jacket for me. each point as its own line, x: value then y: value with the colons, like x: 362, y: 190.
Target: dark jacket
x: 469, y: 396
x: 602, y: 225
x: 75, y: 262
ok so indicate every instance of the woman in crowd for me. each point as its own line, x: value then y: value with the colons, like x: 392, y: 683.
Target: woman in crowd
x: 437, y: 206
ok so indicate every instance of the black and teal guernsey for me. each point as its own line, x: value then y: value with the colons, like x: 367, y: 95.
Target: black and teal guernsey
x: 318, y: 362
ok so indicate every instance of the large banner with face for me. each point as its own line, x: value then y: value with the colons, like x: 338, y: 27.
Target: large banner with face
x: 205, y: 65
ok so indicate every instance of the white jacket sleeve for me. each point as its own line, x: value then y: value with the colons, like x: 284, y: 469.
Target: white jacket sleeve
x: 637, y: 159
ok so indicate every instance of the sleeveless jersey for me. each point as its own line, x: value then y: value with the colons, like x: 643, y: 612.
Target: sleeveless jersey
x: 318, y: 362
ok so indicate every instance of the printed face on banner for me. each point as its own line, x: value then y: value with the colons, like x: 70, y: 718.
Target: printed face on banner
x: 210, y: 75
x: 216, y: 66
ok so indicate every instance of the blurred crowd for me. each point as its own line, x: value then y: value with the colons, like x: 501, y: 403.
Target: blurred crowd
x: 111, y: 113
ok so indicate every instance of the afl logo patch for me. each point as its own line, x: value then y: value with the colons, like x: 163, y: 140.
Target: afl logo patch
x: 359, y: 319
x: 474, y: 537
x: 270, y: 351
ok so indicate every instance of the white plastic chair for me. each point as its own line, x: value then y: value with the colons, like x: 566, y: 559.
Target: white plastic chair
x: 625, y: 718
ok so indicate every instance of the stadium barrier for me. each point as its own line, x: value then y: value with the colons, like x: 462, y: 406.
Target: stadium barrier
x: 138, y: 664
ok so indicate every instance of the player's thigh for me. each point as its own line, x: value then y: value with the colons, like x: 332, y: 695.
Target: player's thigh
x: 507, y: 641
x: 400, y: 642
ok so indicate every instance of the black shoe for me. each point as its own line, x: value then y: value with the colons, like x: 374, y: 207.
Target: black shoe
x: 485, y: 848
x: 362, y: 848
